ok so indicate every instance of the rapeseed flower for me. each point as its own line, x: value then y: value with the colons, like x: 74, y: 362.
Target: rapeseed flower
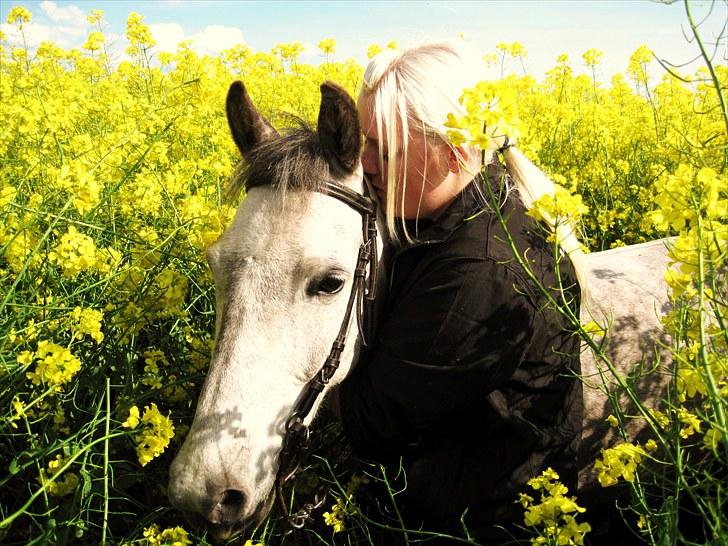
x: 75, y: 253
x: 691, y: 423
x: 55, y: 367
x: 336, y: 517
x: 172, y: 536
x: 58, y: 487
x: 133, y: 420
x: 327, y: 46
x: 620, y: 461
x: 592, y: 57
x: 19, y: 15
x: 373, y: 50
x: 554, y: 517
x: 88, y: 322
x: 344, y: 507
x: 18, y: 411
x: 7, y: 195
x: 153, y: 432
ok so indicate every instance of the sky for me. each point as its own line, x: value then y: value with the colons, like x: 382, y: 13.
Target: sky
x: 547, y: 28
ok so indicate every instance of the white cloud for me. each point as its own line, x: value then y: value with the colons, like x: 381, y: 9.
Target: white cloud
x: 35, y: 33
x: 70, y: 14
x: 209, y: 41
x: 67, y: 27
x: 167, y: 35
x: 215, y: 38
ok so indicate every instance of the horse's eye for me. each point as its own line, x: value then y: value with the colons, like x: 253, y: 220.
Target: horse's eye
x: 328, y: 284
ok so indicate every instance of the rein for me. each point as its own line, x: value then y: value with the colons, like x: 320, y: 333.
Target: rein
x: 361, y: 298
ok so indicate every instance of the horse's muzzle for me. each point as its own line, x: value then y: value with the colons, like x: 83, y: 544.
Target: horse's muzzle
x: 223, y: 521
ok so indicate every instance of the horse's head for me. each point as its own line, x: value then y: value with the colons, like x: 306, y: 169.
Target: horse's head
x: 283, y: 271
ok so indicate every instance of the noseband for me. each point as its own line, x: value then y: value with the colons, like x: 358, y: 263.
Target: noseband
x: 361, y: 298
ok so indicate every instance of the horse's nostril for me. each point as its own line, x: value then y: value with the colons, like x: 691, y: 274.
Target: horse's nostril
x: 231, y: 505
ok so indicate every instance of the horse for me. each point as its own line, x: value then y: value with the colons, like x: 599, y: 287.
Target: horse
x: 285, y: 271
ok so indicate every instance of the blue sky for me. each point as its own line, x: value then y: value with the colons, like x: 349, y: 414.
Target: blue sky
x: 545, y: 28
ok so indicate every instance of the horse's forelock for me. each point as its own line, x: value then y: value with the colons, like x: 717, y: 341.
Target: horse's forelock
x: 293, y: 161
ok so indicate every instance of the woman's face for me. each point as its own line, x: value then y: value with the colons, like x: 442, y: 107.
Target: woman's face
x: 427, y: 167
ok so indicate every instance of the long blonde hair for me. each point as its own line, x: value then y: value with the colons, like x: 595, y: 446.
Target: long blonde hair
x: 416, y: 89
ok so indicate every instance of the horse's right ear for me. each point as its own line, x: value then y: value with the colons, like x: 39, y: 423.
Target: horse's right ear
x: 248, y: 126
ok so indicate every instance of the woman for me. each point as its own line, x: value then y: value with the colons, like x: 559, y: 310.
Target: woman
x: 472, y: 379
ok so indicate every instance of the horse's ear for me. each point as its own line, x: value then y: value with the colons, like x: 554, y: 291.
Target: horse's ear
x: 338, y: 128
x: 248, y: 126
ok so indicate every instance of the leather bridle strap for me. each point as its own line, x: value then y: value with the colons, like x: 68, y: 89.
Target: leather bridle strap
x: 361, y: 298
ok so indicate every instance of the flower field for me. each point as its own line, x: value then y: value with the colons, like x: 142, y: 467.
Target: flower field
x: 112, y: 185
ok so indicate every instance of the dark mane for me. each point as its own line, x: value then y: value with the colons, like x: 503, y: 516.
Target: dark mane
x: 291, y: 161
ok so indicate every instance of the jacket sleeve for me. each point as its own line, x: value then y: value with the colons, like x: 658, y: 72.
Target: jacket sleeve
x: 454, y: 336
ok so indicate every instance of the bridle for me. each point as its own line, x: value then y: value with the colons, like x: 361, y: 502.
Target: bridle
x: 361, y: 299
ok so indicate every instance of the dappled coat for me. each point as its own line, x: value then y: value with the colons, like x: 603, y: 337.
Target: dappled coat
x: 472, y: 377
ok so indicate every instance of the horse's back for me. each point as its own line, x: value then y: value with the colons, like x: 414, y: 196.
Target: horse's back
x: 627, y: 294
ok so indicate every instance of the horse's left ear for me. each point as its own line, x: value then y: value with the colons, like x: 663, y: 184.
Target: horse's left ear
x: 248, y: 127
x: 338, y: 128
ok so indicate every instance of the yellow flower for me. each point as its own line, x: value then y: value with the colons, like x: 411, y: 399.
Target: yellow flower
x: 554, y: 516
x: 619, y: 461
x: 594, y: 329
x: 88, y: 321
x: 516, y: 49
x: 75, y: 253
x: 18, y: 411
x: 95, y: 41
x: 139, y: 35
x: 58, y: 487
x: 154, y: 434
x: 19, y: 15
x: 690, y: 421
x: 327, y: 46
x: 56, y: 365
x: 638, y: 62
x: 373, y: 50
x: 712, y: 439
x: 25, y: 358
x: 7, y: 195
x: 95, y: 16
x: 592, y: 57
x: 562, y: 206
x: 133, y: 420
x: 661, y: 419
x: 335, y: 518
x: 173, y: 536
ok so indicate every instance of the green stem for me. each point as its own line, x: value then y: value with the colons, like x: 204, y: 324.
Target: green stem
x: 713, y: 75
x: 26, y: 264
x: 715, y: 396
x: 405, y: 535
x: 5, y: 523
x: 106, y: 462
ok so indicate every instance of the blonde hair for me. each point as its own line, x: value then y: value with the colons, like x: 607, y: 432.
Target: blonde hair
x: 417, y: 88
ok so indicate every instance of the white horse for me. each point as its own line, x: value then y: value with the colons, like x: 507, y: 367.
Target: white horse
x: 283, y: 271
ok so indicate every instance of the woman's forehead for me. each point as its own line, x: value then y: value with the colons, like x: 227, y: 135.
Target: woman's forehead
x: 367, y: 120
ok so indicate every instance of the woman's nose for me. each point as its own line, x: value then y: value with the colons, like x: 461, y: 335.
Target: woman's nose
x: 370, y: 160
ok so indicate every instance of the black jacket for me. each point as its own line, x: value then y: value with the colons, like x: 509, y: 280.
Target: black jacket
x: 472, y: 377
